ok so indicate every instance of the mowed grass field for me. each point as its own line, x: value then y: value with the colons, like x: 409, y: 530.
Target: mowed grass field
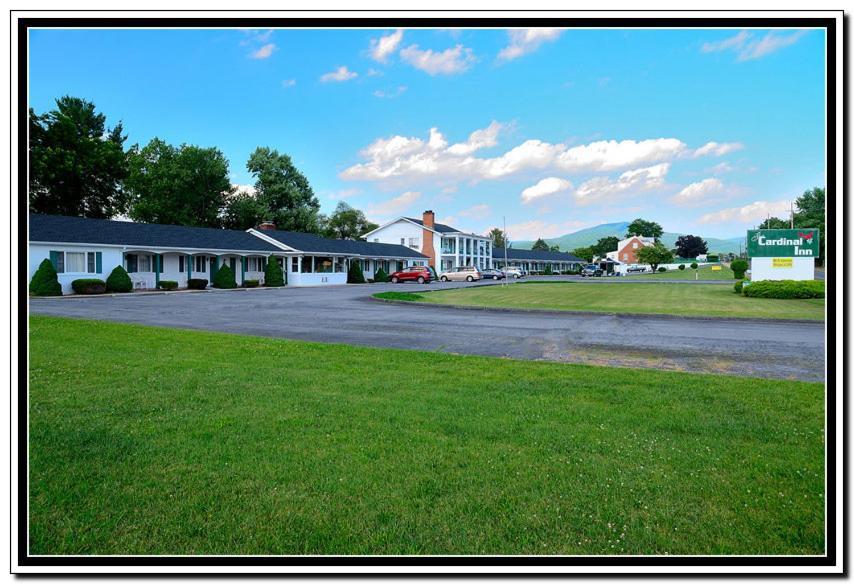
x: 162, y: 441
x: 714, y: 300
x: 702, y: 273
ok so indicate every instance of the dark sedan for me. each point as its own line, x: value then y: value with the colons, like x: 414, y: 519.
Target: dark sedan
x: 491, y: 274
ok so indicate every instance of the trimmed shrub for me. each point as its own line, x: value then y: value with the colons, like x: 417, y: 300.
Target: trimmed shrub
x: 548, y: 271
x: 713, y: 258
x: 45, y: 282
x: 355, y: 274
x: 380, y: 276
x: 785, y: 289
x: 738, y: 286
x: 119, y: 281
x: 273, y: 276
x: 197, y: 283
x: 89, y: 286
x: 224, y: 278
x: 168, y: 285
x: 251, y: 283
x: 694, y: 265
x: 738, y: 268
x: 681, y: 266
x: 662, y: 269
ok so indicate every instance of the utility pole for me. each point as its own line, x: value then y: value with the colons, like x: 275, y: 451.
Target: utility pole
x: 506, y: 243
x: 792, y: 215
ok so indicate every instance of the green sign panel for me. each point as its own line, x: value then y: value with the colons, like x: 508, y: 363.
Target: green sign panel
x: 782, y: 243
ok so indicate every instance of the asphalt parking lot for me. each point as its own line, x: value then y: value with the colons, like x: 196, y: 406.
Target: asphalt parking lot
x: 348, y: 314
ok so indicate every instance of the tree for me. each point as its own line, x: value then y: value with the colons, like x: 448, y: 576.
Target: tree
x: 654, y: 255
x: 585, y: 253
x: 540, y: 245
x: 242, y: 211
x: 45, y: 281
x: 605, y: 245
x: 273, y: 276
x: 284, y: 191
x: 76, y: 163
x: 690, y: 246
x: 355, y: 274
x: 346, y: 223
x: 224, y: 278
x: 119, y: 281
x: 738, y: 267
x: 811, y: 214
x: 187, y: 185
x: 554, y: 247
x: 498, y: 237
x: 775, y: 223
x: 644, y: 228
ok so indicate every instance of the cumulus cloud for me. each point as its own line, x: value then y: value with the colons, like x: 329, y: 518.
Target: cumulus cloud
x: 238, y: 188
x: 721, y: 168
x: 601, y: 189
x: 263, y: 52
x: 478, y: 139
x: 394, y: 206
x: 527, y: 40
x: 612, y: 155
x: 698, y: 192
x: 545, y: 188
x: 447, y: 62
x: 344, y: 194
x: 382, y: 94
x: 747, y: 47
x: 717, y: 149
x: 339, y: 75
x: 385, y: 46
x: 755, y: 213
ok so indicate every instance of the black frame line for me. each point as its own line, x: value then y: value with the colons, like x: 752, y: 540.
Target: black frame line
x: 410, y: 562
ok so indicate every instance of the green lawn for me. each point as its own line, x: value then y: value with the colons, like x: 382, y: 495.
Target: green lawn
x: 703, y: 273
x: 163, y: 441
x: 638, y: 298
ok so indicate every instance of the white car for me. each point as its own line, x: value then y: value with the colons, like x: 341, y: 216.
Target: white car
x: 514, y: 273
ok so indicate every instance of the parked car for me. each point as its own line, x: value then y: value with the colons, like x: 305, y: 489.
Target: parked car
x: 420, y: 274
x: 491, y: 274
x: 635, y: 268
x: 591, y: 270
x: 462, y: 273
x: 514, y: 272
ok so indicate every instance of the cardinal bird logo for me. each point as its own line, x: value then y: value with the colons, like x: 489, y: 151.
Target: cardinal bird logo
x: 806, y: 236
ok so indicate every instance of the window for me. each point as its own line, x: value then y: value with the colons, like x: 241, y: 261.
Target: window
x: 254, y: 264
x: 376, y: 240
x: 144, y: 263
x: 634, y: 245
x: 201, y: 264
x: 306, y: 266
x: 625, y: 256
x: 60, y: 262
x: 181, y: 264
x: 294, y: 264
x: 130, y: 260
x: 402, y: 241
x: 90, y: 262
x: 75, y: 262
x: 413, y: 243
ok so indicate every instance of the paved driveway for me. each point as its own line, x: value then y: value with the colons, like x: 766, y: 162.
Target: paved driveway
x: 347, y: 314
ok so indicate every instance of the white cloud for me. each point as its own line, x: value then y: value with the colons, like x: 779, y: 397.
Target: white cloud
x: 748, y: 48
x: 754, y: 213
x: 612, y: 155
x: 288, y: 82
x: 717, y: 149
x: 527, y: 40
x: 447, y: 62
x: 338, y: 75
x: 698, y: 192
x: 601, y: 189
x: 249, y: 189
x: 390, y: 94
x: 478, y: 139
x: 344, y: 194
x: 531, y: 230
x: 383, y: 47
x: 721, y: 168
x: 394, y: 206
x: 476, y: 212
x: 374, y: 73
x: 264, y: 52
x: 544, y: 188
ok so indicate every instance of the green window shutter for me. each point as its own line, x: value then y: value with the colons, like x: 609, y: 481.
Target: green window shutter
x: 54, y: 259
x: 98, y: 260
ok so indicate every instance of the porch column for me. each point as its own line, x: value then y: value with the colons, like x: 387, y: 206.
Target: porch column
x: 313, y: 268
x: 189, y: 266
x: 243, y: 269
x: 157, y: 260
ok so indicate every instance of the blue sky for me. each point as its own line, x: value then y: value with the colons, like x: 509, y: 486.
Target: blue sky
x: 704, y: 131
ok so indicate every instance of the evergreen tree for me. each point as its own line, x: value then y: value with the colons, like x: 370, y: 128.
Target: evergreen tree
x: 273, y: 276
x: 119, y: 281
x: 45, y: 281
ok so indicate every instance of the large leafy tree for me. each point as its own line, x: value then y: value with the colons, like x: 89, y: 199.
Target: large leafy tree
x: 284, y: 191
x: 644, y: 228
x: 585, y: 253
x: 77, y: 164
x: 498, y: 237
x: 185, y: 185
x: 605, y: 245
x: 541, y: 245
x: 654, y: 255
x: 346, y: 223
x: 811, y: 213
x: 690, y: 246
x: 242, y: 211
x: 775, y: 223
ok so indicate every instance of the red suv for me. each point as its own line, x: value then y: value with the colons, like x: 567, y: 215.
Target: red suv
x: 420, y: 274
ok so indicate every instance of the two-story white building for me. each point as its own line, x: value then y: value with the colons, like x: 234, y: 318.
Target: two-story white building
x: 445, y: 246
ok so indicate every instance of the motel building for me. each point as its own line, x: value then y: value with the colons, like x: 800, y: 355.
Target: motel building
x: 536, y: 260
x: 92, y: 248
x: 445, y: 246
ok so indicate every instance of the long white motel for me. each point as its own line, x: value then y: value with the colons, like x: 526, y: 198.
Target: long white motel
x: 92, y: 248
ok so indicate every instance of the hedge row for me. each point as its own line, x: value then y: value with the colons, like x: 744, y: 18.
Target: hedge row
x: 89, y: 286
x: 785, y: 289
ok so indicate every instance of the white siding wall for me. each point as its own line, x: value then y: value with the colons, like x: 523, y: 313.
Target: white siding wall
x: 110, y: 258
x: 402, y: 229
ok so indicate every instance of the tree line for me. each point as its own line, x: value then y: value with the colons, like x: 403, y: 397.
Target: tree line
x: 80, y: 167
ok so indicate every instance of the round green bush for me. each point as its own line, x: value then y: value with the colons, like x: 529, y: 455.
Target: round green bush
x: 45, y: 281
x: 119, y: 281
x: 273, y: 276
x: 694, y: 265
x: 197, y: 283
x: 355, y: 275
x: 251, y: 283
x: 739, y: 267
x: 380, y: 276
x: 89, y: 286
x: 224, y: 278
x: 785, y: 289
x: 682, y: 267
x: 662, y: 269
x: 168, y: 285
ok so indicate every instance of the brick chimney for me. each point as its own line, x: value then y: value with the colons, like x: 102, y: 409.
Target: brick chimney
x: 428, y: 220
x: 267, y: 226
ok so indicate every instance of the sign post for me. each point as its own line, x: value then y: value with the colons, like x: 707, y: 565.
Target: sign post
x: 782, y: 254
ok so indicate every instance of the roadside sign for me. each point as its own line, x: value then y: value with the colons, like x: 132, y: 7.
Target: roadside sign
x: 716, y: 268
x: 781, y: 262
x: 782, y: 243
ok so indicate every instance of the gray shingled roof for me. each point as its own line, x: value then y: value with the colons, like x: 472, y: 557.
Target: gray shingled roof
x: 62, y: 229
x: 535, y: 255
x: 440, y: 227
x: 309, y: 243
